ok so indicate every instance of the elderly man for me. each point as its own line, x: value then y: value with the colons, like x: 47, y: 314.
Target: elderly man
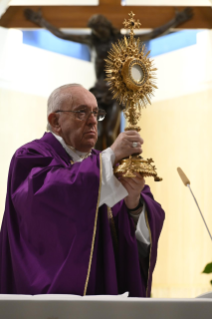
x: 70, y: 226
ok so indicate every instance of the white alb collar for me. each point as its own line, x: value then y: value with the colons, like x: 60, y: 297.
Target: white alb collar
x: 76, y: 155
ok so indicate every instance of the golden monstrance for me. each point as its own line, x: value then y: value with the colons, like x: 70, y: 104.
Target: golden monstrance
x: 131, y: 77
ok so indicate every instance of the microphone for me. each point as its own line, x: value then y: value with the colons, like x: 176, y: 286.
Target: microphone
x: 186, y: 182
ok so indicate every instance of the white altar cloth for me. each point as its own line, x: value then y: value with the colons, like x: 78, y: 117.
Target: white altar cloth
x: 101, y: 307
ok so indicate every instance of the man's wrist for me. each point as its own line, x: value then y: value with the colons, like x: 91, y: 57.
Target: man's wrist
x: 131, y: 207
x: 139, y: 206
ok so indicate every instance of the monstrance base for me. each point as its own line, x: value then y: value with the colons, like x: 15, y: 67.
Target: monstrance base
x: 136, y: 163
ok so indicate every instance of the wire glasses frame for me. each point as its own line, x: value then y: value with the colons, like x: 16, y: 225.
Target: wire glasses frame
x: 85, y: 114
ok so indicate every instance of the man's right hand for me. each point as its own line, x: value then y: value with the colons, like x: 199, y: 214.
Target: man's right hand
x: 123, y: 145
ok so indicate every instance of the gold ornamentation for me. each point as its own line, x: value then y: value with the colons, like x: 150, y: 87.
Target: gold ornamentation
x: 113, y: 230
x: 94, y: 228
x: 131, y: 77
x: 134, y: 164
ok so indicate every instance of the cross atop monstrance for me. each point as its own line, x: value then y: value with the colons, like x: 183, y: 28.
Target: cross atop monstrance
x: 131, y: 23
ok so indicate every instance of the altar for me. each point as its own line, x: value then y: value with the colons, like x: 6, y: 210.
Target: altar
x: 102, y: 307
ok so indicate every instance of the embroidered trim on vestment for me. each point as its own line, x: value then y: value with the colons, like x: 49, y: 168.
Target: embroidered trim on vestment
x: 150, y: 235
x: 113, y: 230
x: 94, y: 228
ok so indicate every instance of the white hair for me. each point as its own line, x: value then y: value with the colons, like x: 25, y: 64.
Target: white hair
x: 56, y: 99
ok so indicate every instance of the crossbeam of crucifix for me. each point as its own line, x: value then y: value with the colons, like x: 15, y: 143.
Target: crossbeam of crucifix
x: 77, y: 16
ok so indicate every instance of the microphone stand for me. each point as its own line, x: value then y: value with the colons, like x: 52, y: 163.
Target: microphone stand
x: 199, y: 211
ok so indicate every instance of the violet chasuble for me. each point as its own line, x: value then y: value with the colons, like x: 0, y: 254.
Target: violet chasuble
x: 55, y: 240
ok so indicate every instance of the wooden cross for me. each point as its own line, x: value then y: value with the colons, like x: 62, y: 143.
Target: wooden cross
x: 77, y: 16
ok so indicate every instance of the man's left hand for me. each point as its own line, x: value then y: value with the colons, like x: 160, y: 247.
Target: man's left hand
x: 134, y: 186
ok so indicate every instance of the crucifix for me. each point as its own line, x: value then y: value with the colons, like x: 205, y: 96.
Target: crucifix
x: 103, y: 34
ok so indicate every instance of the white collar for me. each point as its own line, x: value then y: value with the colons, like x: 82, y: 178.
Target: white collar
x: 76, y: 155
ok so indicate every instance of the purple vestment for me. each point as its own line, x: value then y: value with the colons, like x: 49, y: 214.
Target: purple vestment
x: 55, y: 240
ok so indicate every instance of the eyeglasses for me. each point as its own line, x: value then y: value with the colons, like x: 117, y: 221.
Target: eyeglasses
x: 85, y: 114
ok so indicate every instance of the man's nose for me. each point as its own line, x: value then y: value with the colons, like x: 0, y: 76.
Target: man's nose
x: 92, y: 118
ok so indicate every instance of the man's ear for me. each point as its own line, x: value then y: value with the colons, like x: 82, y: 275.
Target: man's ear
x: 53, y: 119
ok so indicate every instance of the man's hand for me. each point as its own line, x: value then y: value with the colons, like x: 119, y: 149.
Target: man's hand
x: 134, y: 186
x: 123, y: 145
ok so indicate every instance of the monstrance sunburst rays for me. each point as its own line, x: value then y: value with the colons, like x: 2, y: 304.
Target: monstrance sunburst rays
x: 131, y: 77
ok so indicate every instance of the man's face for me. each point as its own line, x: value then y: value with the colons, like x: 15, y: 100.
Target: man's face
x: 80, y: 134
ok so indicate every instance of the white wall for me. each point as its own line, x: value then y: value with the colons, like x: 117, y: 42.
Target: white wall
x: 186, y: 70
x: 54, y: 2
x: 32, y: 70
x: 205, y: 3
x: 177, y: 132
